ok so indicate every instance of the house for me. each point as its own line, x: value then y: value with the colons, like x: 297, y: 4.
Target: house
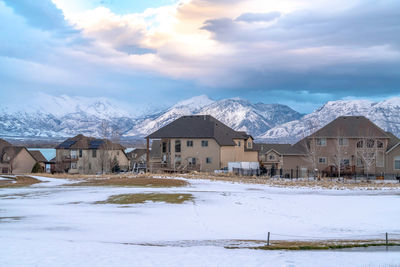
x: 88, y: 155
x: 15, y: 159
x: 348, y: 145
x: 38, y: 156
x: 201, y: 143
x: 137, y: 157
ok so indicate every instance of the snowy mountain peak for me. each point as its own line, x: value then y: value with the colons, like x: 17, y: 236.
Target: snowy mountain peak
x: 196, y: 102
x: 386, y: 114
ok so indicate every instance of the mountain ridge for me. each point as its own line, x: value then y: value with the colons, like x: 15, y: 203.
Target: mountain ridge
x: 266, y: 122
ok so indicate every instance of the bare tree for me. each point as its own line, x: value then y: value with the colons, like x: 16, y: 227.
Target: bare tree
x: 309, y: 145
x: 85, y: 162
x: 105, y: 131
x: 340, y: 150
x: 367, y: 151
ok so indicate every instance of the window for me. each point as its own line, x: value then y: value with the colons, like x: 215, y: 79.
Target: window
x: 164, y: 147
x: 192, y: 161
x: 80, y: 153
x: 379, y: 144
x: 177, y: 146
x: 397, y: 163
x: 370, y: 143
x: 321, y: 141
x: 73, y: 165
x: 379, y: 159
x: 322, y: 160
x: 343, y: 142
x: 189, y: 143
x: 204, y: 143
x: 73, y: 154
x: 238, y: 143
x: 360, y: 144
x: 178, y: 159
x: 249, y: 144
x: 345, y: 163
x: 90, y: 166
x: 208, y: 160
x: 94, y: 153
x: 271, y: 157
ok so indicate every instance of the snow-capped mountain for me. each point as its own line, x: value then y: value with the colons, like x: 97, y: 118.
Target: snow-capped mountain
x: 237, y: 113
x: 253, y: 118
x: 63, y: 116
x: 67, y: 116
x: 154, y: 122
x: 386, y: 114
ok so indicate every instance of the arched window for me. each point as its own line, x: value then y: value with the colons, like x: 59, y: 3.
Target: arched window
x: 370, y: 143
x: 360, y: 144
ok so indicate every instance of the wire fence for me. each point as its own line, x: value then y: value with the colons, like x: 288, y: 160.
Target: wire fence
x: 383, y: 237
x: 302, y: 173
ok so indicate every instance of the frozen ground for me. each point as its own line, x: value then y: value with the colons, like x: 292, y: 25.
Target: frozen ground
x: 49, y: 224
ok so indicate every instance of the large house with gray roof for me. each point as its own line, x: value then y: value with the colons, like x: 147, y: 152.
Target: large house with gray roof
x: 201, y: 143
x: 348, y: 145
x: 88, y: 155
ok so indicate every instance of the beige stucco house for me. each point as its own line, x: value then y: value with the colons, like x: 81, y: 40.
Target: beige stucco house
x: 200, y: 143
x: 348, y: 145
x: 15, y: 159
x: 88, y: 155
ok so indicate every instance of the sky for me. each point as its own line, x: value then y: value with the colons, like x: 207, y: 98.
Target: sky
x: 151, y: 54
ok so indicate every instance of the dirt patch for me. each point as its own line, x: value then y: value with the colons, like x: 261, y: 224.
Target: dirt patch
x: 10, y: 219
x: 18, y: 181
x: 142, y: 198
x: 135, y: 182
x: 320, y: 245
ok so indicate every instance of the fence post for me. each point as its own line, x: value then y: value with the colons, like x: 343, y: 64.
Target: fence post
x: 387, y: 239
x: 268, y: 239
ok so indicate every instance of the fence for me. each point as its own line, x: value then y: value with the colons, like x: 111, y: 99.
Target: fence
x: 380, y: 238
x: 311, y: 174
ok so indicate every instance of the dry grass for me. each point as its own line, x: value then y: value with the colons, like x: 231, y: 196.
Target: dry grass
x: 321, y: 245
x: 142, y: 198
x: 134, y: 182
x: 324, y: 183
x: 18, y: 181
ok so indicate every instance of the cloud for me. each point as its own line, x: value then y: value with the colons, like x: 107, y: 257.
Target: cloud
x: 257, y: 17
x: 340, y: 48
x: 42, y: 14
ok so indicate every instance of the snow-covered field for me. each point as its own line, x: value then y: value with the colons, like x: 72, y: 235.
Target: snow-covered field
x: 49, y: 224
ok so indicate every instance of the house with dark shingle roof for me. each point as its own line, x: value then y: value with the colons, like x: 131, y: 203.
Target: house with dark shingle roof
x: 15, y: 159
x: 348, y: 145
x: 201, y: 143
x: 89, y: 155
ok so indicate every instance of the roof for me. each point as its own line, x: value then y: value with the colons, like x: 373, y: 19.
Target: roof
x: 83, y: 142
x: 155, y: 151
x: 3, y: 144
x: 136, y: 153
x: 199, y: 126
x: 350, y: 127
x: 394, y: 141
x: 37, y: 155
x: 280, y: 148
x: 11, y: 151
